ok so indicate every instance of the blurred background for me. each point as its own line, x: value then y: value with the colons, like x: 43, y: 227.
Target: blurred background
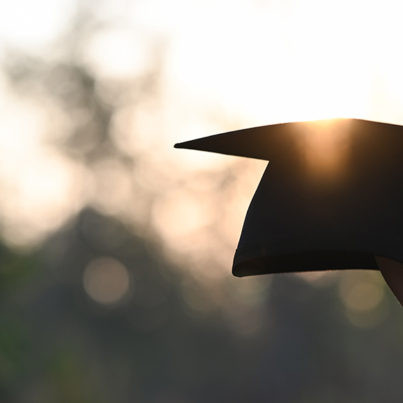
x: 116, y: 249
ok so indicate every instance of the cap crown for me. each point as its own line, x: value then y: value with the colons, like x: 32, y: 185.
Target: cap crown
x: 330, y: 198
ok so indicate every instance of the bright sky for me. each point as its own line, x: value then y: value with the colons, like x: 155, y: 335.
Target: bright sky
x: 241, y: 62
x: 282, y: 61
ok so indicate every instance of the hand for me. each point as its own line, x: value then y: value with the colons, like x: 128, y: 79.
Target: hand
x: 392, y: 272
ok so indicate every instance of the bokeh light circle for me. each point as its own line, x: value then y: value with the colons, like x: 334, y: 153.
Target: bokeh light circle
x: 106, y: 280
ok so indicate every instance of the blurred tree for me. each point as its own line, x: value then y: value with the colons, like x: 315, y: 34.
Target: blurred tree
x: 58, y: 343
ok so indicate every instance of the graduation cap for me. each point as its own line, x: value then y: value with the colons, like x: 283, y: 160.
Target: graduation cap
x: 330, y: 198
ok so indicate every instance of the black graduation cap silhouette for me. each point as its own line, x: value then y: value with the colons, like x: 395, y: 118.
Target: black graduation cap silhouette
x: 331, y: 196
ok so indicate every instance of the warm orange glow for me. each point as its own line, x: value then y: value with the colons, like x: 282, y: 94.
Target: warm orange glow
x: 325, y: 145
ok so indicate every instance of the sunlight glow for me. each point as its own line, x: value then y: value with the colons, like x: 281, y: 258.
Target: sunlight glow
x: 310, y: 65
x: 326, y: 146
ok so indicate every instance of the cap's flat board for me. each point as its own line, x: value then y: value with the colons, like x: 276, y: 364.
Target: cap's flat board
x: 331, y: 197
x: 267, y: 142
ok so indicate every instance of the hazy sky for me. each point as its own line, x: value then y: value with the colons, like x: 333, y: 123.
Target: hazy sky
x: 228, y: 64
x: 268, y: 60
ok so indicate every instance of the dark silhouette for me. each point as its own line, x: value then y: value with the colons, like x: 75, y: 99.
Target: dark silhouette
x: 331, y: 197
x: 305, y: 217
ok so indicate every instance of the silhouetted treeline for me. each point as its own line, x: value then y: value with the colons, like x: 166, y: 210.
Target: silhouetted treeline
x: 57, y: 344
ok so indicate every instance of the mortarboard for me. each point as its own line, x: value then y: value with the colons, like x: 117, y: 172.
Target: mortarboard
x: 330, y: 198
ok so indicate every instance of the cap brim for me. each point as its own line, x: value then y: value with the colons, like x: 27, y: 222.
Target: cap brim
x: 266, y: 142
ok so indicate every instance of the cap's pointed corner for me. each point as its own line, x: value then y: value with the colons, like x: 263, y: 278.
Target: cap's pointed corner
x: 190, y: 145
x: 182, y: 145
